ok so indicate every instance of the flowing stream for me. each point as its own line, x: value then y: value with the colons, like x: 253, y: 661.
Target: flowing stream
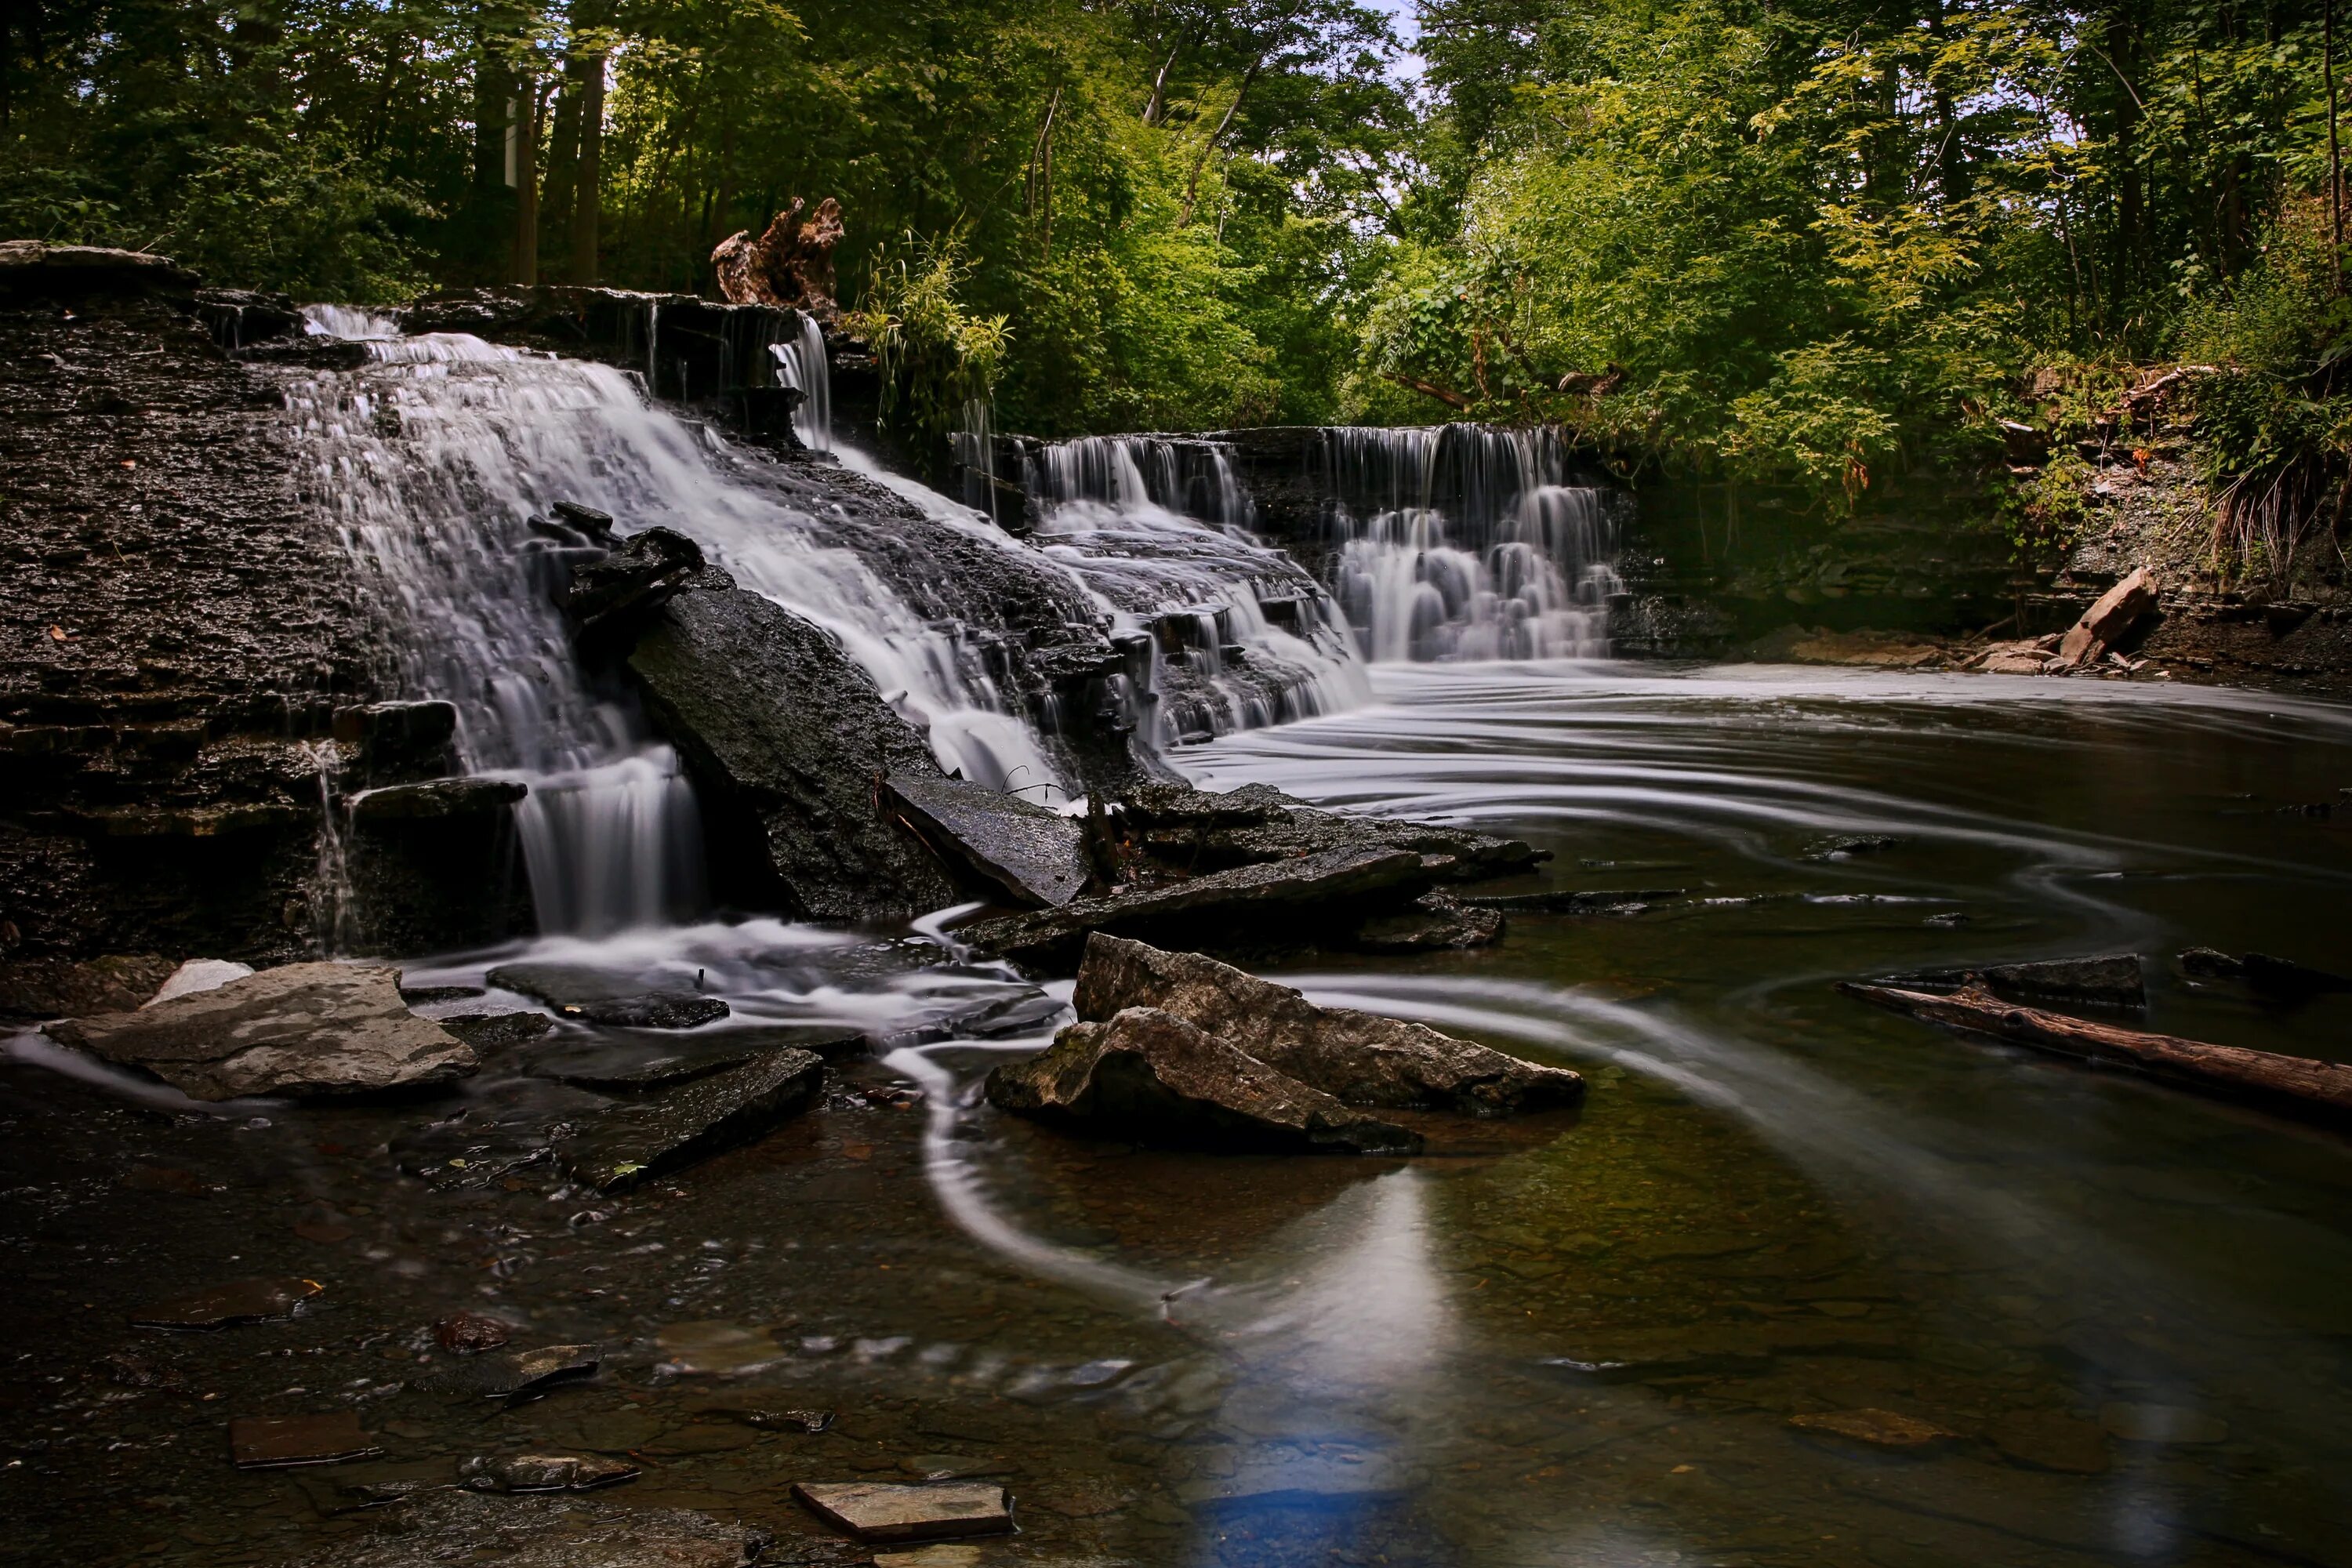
x: 2115, y: 1314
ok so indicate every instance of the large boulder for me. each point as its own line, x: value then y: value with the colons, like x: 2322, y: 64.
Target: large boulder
x: 1149, y: 1075
x: 1357, y: 1058
x: 307, y: 1030
x: 1283, y: 901
x: 784, y: 735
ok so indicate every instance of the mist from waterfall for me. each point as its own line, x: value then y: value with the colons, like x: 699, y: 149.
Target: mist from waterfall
x: 1223, y: 632
x: 1464, y: 542
x: 439, y: 462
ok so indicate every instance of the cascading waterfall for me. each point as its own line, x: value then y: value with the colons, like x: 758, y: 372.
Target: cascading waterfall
x: 1223, y: 632
x: 441, y: 457
x: 1460, y: 541
x: 801, y: 366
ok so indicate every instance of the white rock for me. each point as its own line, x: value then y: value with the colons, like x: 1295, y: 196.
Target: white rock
x: 198, y: 974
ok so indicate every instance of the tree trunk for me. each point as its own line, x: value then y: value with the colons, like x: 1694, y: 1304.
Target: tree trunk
x: 525, y: 172
x: 588, y: 179
x: 562, y: 169
x: 1159, y: 104
x: 1192, y: 185
x: 2312, y: 1090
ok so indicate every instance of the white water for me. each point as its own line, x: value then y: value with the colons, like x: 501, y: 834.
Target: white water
x: 1255, y: 641
x: 1464, y: 542
x: 802, y: 364
x: 435, y: 460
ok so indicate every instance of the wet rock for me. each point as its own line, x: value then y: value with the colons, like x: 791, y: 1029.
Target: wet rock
x: 1210, y: 830
x: 1336, y: 887
x: 1436, y: 922
x: 2163, y: 1425
x: 2047, y: 1440
x: 472, y: 1150
x: 503, y: 1374
x: 263, y: 1442
x: 126, y: 1371
x: 1571, y: 902
x: 468, y: 1333
x: 1023, y: 851
x: 57, y: 988
x: 1850, y: 845
x: 594, y: 997
x: 773, y: 1418
x: 2210, y: 963
x: 630, y: 1144
x: 1147, y: 1075
x: 1879, y: 1428
x: 219, y: 1306
x: 611, y: 597
x: 541, y: 1472
x: 875, y: 1513
x: 438, y: 800
x: 2277, y: 979
x: 400, y: 740
x: 2110, y: 981
x: 34, y: 269
x: 784, y: 734
x: 536, y: 1531
x: 308, y: 1030
x: 490, y: 1033
x: 1357, y: 1058
x: 2107, y: 622
x: 426, y: 995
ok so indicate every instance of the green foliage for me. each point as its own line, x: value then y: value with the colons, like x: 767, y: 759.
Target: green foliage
x: 935, y: 357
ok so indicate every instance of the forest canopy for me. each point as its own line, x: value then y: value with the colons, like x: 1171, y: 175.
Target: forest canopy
x: 1802, y: 240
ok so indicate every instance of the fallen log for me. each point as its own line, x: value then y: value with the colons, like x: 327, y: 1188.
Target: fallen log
x: 2294, y: 1086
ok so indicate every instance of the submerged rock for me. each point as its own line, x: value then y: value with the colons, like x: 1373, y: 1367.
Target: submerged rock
x: 1323, y: 890
x: 220, y: 1306
x: 490, y: 1033
x: 309, y: 1030
x: 1436, y: 922
x: 785, y: 734
x: 1360, y: 1058
x: 630, y: 1144
x: 277, y: 1442
x: 1032, y: 856
x: 541, y: 1472
x: 2108, y: 980
x: 1879, y: 1428
x: 1211, y: 830
x: 1149, y: 1075
x: 500, y: 1374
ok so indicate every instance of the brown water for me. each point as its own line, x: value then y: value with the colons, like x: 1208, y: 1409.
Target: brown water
x: 1574, y: 1340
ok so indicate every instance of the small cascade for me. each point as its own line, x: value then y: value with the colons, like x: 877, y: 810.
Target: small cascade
x: 1461, y: 541
x: 1222, y: 631
x: 801, y: 366
x: 440, y: 459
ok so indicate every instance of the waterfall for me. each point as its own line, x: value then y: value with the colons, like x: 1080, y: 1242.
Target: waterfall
x: 1222, y: 632
x: 439, y: 460
x: 1461, y: 541
x: 802, y: 364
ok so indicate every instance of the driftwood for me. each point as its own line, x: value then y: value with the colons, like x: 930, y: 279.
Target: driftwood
x: 2296, y: 1086
x: 789, y: 265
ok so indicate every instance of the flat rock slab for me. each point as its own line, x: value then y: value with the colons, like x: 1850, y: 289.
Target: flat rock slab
x: 630, y: 1144
x: 307, y: 1030
x: 873, y: 1511
x: 1325, y: 889
x: 434, y: 1529
x: 619, y: 1069
x: 1029, y: 853
x: 219, y: 1306
x: 1151, y: 1077
x: 273, y: 1442
x: 1357, y: 1058
x: 596, y: 996
x: 499, y: 1374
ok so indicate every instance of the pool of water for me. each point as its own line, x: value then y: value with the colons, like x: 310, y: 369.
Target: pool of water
x: 1586, y: 1338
